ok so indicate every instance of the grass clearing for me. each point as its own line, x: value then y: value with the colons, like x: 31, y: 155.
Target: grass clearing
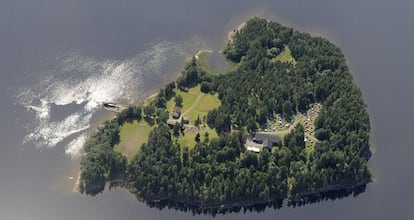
x: 132, y: 136
x: 195, y: 103
x: 188, y: 98
x: 188, y: 139
x: 206, y: 103
x: 285, y: 56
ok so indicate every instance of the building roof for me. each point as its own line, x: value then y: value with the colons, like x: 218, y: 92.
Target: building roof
x: 267, y: 143
x: 267, y: 139
x: 184, y: 88
x: 177, y: 109
x: 171, y: 122
x: 261, y: 136
x: 254, y: 149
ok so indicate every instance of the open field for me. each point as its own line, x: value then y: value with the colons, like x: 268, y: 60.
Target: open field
x: 195, y: 103
x: 132, y: 136
x: 205, y: 103
x: 188, y: 139
x: 188, y: 98
x: 285, y: 56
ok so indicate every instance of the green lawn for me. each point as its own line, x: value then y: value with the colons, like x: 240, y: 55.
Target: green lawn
x: 206, y: 103
x: 195, y: 103
x: 188, y: 139
x: 188, y: 98
x: 132, y: 136
x: 285, y: 56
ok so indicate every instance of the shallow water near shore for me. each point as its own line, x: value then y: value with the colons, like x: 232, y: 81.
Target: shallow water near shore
x: 61, y: 59
x: 216, y: 61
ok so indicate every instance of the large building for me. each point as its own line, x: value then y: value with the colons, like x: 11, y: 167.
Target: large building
x: 267, y: 140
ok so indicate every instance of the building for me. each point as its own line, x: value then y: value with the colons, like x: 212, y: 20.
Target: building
x: 266, y: 139
x: 171, y: 122
x: 176, y: 113
x: 184, y: 88
x: 254, y: 149
x: 186, y: 120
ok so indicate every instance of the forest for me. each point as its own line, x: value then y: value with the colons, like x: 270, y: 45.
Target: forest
x: 220, y: 172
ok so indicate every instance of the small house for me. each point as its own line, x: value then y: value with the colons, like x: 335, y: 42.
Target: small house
x: 171, y: 122
x: 186, y: 120
x: 184, y: 88
x: 176, y: 113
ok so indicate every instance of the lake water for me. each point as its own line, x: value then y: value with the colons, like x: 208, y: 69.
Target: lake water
x: 60, y: 59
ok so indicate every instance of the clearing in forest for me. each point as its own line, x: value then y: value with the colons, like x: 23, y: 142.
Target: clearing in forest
x: 132, y: 136
x: 285, y: 56
x: 195, y: 103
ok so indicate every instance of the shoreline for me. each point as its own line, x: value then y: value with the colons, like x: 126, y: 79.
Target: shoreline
x: 231, y: 34
x: 107, y: 115
x: 302, y: 198
x: 197, y: 56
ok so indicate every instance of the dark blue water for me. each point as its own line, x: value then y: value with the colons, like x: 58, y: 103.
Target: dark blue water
x: 105, y: 50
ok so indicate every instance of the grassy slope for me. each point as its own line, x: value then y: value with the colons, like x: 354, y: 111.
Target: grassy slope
x: 132, y: 135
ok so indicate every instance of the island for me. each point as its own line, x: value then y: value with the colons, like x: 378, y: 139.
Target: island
x: 285, y: 122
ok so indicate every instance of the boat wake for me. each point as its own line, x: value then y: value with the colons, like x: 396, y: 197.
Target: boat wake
x: 64, y: 101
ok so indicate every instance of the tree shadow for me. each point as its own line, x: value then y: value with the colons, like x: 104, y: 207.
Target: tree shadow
x: 258, y: 207
x: 150, y: 121
x: 326, y: 196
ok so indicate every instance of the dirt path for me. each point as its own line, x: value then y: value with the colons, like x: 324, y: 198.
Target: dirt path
x: 195, y: 103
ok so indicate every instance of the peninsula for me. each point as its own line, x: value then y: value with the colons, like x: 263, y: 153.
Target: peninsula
x: 285, y: 121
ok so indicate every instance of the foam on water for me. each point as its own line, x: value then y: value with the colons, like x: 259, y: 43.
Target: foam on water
x: 88, y: 82
x: 75, y: 146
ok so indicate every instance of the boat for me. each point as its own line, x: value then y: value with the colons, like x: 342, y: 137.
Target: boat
x: 111, y: 106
